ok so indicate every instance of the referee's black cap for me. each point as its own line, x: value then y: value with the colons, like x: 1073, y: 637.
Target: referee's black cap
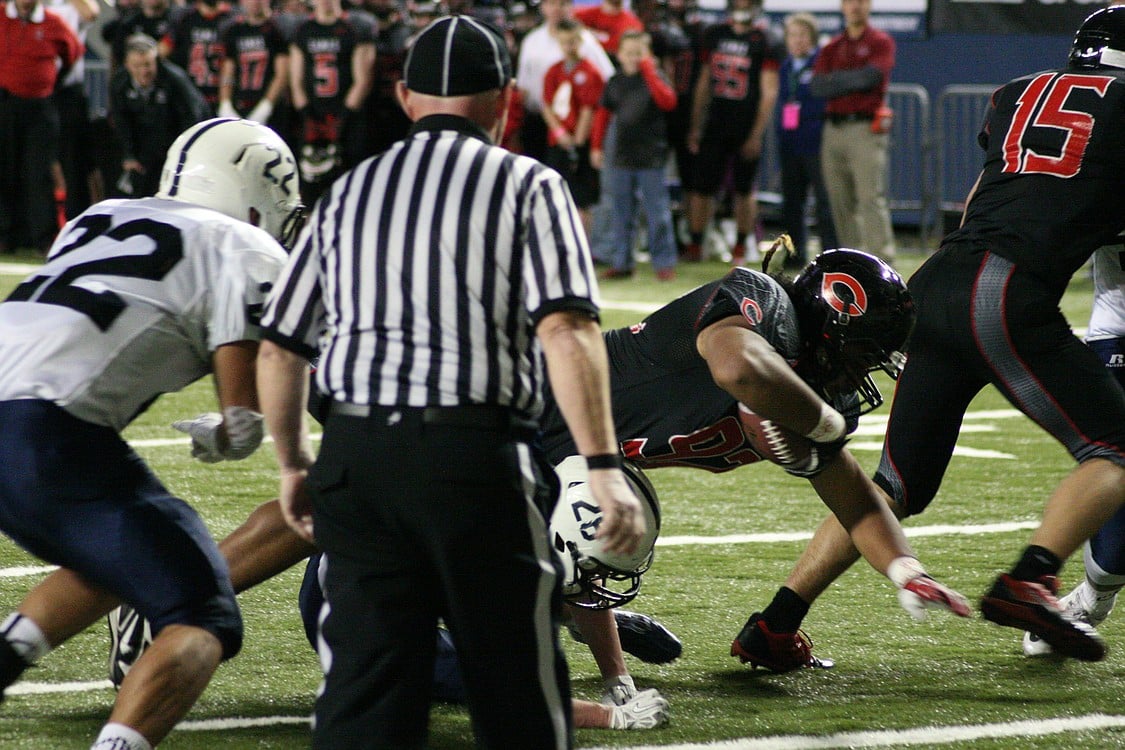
x: 457, y: 56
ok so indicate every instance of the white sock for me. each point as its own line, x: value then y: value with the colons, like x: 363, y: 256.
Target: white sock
x: 120, y: 737
x: 25, y: 637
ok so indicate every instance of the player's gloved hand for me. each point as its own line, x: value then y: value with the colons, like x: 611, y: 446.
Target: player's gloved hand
x: 618, y: 690
x: 646, y: 710
x: 818, y: 459
x: 919, y: 592
x: 205, y: 431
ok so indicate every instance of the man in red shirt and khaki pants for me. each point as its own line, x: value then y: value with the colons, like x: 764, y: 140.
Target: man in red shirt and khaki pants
x: 36, y: 48
x: 852, y: 72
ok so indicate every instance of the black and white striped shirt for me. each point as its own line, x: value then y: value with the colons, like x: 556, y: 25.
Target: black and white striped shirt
x: 422, y: 274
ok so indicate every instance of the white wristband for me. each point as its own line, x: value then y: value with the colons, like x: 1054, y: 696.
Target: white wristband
x: 905, y: 569
x: 830, y: 427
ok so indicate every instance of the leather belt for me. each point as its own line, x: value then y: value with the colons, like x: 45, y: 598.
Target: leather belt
x: 836, y: 118
x: 479, y: 416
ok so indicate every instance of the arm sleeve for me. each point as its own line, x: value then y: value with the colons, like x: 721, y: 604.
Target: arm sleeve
x: 294, y: 315
x: 661, y: 92
x: 558, y: 271
x: 250, y: 267
x: 841, y: 82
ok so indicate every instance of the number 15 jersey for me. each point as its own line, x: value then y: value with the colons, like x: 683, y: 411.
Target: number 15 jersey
x: 133, y: 299
x: 1054, y: 171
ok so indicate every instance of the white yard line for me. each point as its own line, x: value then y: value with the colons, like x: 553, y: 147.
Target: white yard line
x: 935, y: 735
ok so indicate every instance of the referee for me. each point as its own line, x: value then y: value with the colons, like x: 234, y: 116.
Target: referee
x: 440, y: 283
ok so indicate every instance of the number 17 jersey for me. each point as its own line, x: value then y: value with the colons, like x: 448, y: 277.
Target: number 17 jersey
x: 132, y: 301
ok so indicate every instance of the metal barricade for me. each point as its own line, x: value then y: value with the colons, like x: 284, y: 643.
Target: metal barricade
x: 97, y: 88
x: 910, y: 194
x: 961, y: 110
x: 910, y: 159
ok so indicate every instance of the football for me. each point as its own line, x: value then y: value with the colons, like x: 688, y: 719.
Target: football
x: 773, y: 442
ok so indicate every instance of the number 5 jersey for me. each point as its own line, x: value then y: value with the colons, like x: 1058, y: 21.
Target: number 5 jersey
x: 133, y: 299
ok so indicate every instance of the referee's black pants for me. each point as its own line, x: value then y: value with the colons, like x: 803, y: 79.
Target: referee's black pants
x: 420, y: 520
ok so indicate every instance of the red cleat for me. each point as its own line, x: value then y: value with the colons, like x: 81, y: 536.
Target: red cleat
x: 758, y: 646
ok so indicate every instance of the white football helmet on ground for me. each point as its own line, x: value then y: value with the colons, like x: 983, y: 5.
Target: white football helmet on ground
x: 233, y: 166
x: 592, y: 577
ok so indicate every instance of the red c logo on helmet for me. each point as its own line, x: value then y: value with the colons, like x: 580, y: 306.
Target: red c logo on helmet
x: 844, y: 293
x: 751, y: 310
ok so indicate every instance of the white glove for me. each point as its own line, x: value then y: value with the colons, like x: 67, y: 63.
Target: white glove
x: 261, y: 112
x: 244, y: 434
x: 204, y: 431
x: 918, y: 592
x: 226, y: 109
x: 618, y: 690
x: 646, y: 710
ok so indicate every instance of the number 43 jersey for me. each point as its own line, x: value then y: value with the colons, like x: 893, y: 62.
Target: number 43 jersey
x: 133, y: 299
x: 1054, y: 171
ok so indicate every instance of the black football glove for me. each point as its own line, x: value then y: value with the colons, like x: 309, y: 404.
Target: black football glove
x: 818, y: 459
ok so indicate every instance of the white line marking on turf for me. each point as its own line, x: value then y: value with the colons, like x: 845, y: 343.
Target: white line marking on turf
x: 801, y: 536
x: 208, y: 725
x: 937, y: 735
x: 42, y: 688
x: 680, y: 541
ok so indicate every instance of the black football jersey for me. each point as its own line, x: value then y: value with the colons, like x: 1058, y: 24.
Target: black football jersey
x: 197, y: 47
x: 736, y: 61
x: 328, y: 50
x: 254, y: 48
x: 1054, y: 171
x: 666, y: 407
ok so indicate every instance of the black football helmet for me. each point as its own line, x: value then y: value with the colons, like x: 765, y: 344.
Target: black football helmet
x: 1100, y: 41
x: 855, y: 315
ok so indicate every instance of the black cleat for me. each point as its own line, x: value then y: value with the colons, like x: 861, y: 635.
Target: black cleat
x: 129, y: 635
x: 759, y: 646
x: 646, y: 639
x: 1031, y: 606
x: 12, y: 666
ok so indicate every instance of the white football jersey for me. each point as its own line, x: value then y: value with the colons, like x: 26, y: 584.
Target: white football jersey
x: 134, y: 298
x: 1107, y: 317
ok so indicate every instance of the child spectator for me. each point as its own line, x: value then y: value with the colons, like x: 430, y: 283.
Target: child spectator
x: 637, y: 97
x: 572, y: 89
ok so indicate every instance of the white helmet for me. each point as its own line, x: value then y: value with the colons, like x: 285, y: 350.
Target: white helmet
x: 588, y: 569
x: 233, y: 166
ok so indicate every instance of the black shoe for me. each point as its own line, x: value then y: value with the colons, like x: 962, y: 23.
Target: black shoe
x: 759, y: 646
x: 12, y: 666
x: 1031, y: 606
x: 129, y: 636
x: 646, y: 639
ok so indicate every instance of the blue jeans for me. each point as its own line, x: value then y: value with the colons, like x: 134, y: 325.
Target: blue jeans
x: 624, y: 186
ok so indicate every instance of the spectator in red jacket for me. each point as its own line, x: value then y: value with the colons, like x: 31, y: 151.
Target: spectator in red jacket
x: 37, y: 48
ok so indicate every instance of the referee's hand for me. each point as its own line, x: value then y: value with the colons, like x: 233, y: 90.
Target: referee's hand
x: 295, y: 504
x: 623, y: 523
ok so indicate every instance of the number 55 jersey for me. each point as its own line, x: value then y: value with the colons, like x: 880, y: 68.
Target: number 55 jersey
x: 1054, y: 171
x: 132, y: 301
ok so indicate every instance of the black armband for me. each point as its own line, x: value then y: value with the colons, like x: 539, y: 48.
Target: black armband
x: 604, y: 461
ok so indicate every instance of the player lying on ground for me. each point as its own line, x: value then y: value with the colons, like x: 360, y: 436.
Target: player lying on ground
x: 265, y: 545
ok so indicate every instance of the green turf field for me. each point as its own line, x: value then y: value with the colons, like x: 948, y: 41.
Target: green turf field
x: 930, y: 679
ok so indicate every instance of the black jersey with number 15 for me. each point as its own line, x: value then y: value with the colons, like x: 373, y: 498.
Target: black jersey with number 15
x: 1054, y: 172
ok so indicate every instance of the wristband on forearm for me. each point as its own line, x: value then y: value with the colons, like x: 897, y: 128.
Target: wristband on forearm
x: 604, y: 461
x: 831, y: 426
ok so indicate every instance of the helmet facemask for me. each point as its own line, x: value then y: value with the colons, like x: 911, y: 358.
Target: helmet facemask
x: 855, y: 315
x: 592, y: 577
